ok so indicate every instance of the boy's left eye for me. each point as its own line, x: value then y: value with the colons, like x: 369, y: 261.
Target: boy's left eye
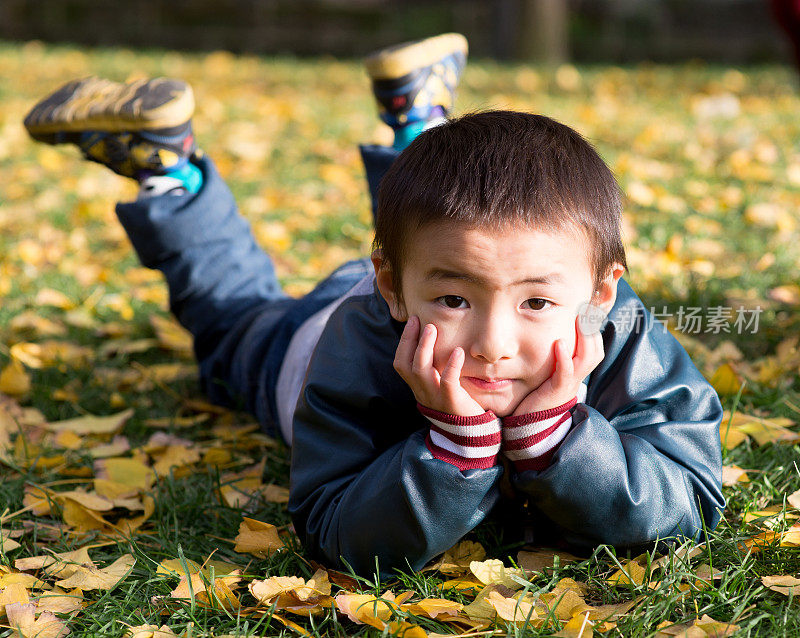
x: 452, y: 301
x: 536, y: 304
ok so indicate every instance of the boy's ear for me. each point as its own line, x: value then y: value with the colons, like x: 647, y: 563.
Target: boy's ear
x: 383, y: 279
x: 606, y: 293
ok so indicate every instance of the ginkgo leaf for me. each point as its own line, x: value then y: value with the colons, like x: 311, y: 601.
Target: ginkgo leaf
x: 367, y: 608
x: 14, y: 380
x: 177, y: 567
x: 493, y: 572
x: 61, y: 602
x: 434, y: 607
x: 266, y: 590
x: 22, y: 618
x: 91, y: 424
x: 217, y: 594
x: 784, y: 584
x: 630, y: 573
x: 794, y: 499
x: 577, y: 627
x: 457, y: 559
x: 91, y: 577
x: 518, y: 611
x: 13, y: 593
x: 130, y: 472
x: 7, y: 544
x: 257, y: 538
x: 150, y: 631
x: 60, y: 565
x: 172, y: 336
x: 733, y: 474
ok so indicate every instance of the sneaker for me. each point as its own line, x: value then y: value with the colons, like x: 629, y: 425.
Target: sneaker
x: 136, y: 129
x: 416, y: 81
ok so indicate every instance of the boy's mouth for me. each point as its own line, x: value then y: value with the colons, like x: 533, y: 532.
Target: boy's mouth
x: 488, y: 383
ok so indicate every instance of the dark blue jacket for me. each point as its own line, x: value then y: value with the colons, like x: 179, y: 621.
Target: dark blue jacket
x: 641, y: 462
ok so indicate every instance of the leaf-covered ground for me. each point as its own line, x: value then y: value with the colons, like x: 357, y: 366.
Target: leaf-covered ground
x: 128, y: 504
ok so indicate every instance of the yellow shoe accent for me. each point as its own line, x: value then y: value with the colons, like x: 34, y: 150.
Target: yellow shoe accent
x: 402, y: 59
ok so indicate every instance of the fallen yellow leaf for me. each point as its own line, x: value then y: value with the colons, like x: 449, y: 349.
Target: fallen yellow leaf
x: 22, y: 618
x: 493, y: 572
x: 14, y: 380
x: 786, y: 585
x: 457, y: 559
x: 91, y: 424
x: 733, y: 475
x: 90, y: 577
x: 257, y: 538
x: 514, y: 610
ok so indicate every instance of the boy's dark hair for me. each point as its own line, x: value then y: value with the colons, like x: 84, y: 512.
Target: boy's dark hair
x: 498, y: 168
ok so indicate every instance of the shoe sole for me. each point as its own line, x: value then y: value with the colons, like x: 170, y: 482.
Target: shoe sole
x: 94, y: 104
x: 401, y: 59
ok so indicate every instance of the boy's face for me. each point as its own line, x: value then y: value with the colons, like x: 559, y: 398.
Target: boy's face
x: 503, y: 296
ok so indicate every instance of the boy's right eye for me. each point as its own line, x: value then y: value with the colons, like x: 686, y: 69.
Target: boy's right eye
x: 452, y: 301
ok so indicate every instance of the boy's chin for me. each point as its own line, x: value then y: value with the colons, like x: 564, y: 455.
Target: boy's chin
x: 500, y: 407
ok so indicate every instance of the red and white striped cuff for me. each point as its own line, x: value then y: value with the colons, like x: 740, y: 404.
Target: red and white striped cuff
x: 530, y: 440
x: 468, y: 442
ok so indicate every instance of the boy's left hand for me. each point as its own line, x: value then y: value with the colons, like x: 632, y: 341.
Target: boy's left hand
x: 568, y: 373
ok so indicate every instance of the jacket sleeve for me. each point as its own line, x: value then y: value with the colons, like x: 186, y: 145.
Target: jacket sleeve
x: 364, y: 485
x: 643, y: 458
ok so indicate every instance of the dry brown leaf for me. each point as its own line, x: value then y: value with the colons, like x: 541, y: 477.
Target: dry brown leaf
x: 541, y: 559
x: 257, y: 538
x: 99, y: 578
x: 794, y: 499
x: 784, y: 584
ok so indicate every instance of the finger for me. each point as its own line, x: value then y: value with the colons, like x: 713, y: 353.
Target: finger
x: 451, y: 375
x: 564, y: 368
x: 404, y: 354
x: 423, y: 356
x: 588, y: 352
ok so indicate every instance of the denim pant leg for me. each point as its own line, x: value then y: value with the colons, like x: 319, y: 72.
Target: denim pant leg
x: 223, y: 289
x: 377, y: 160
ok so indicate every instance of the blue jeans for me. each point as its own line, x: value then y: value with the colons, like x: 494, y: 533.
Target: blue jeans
x: 223, y: 288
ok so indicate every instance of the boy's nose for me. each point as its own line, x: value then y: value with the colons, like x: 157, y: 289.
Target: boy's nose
x: 493, y: 342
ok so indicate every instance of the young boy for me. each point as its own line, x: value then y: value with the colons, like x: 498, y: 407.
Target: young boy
x: 472, y: 337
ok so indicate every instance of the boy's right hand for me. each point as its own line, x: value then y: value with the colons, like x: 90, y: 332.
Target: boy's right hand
x: 438, y: 391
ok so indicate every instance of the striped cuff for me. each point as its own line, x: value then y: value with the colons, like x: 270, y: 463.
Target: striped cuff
x: 530, y: 440
x: 468, y: 442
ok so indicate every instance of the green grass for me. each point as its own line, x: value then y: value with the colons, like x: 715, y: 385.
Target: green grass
x: 275, y: 127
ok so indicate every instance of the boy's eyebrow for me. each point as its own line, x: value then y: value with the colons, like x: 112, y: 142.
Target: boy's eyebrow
x: 436, y: 274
